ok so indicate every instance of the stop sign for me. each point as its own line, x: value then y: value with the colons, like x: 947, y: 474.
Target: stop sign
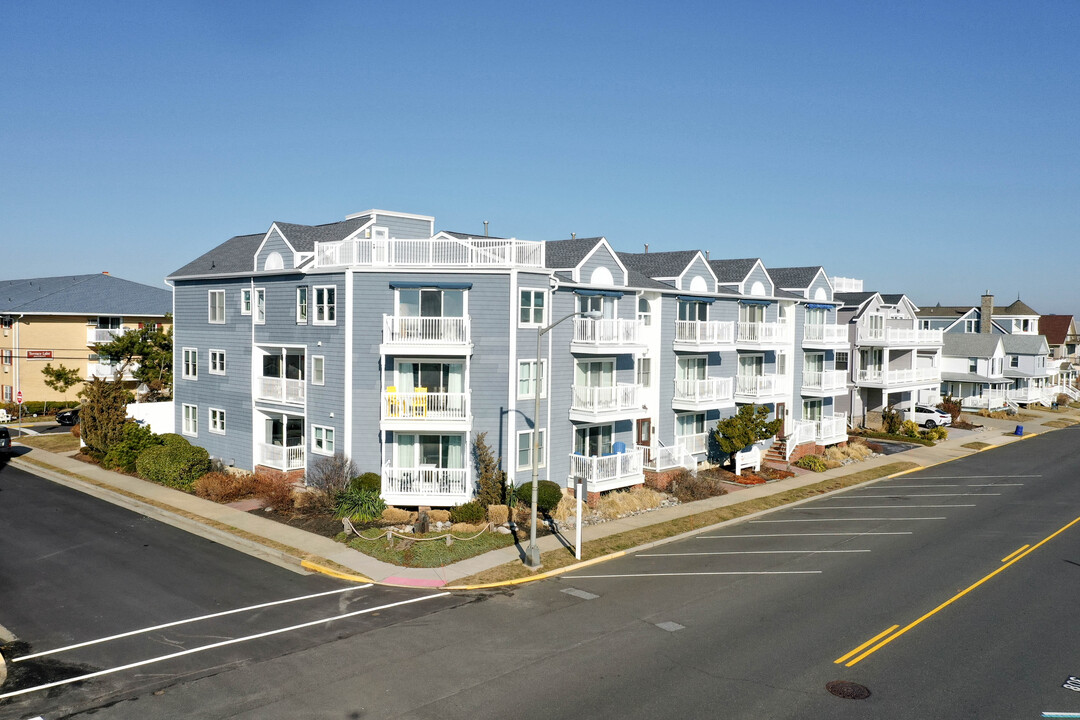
x: 18, y: 397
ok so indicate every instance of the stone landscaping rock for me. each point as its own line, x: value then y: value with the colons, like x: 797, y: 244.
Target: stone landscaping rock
x: 502, y: 530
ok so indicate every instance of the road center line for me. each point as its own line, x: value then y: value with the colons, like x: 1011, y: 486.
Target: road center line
x: 188, y: 620
x: 749, y: 552
x: 824, y: 534
x: 687, y: 574
x: 997, y: 485
x: 876, y: 519
x: 212, y: 646
x: 962, y: 593
x: 1014, y: 552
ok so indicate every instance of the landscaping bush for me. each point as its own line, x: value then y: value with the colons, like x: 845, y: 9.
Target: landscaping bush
x: 439, y: 515
x: 368, y: 481
x: 548, y: 495
x: 276, y: 488
x: 464, y: 528
x: 124, y: 454
x: 939, y: 433
x: 950, y: 405
x: 688, y: 487
x: 498, y: 514
x: 812, y: 462
x: 173, y: 440
x: 625, y: 502
x: 173, y: 464
x: 890, y: 420
x: 224, y: 487
x: 490, y: 480
x: 330, y: 474
x: 360, y: 505
x: 1063, y: 400
x: 397, y: 516
x: 909, y: 429
x: 470, y: 512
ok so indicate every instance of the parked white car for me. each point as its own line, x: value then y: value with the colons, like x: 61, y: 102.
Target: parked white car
x: 929, y: 417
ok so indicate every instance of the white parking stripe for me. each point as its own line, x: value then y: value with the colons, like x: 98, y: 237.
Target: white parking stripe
x: 223, y: 643
x: 875, y: 519
x: 744, y: 553
x: 688, y: 574
x: 859, y: 497
x: 935, y: 485
x: 881, y: 507
x: 996, y: 485
x: 973, y: 477
x: 844, y: 534
x: 188, y: 620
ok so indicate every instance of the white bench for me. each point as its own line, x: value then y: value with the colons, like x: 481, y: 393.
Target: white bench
x: 748, y: 458
x: 4, y: 417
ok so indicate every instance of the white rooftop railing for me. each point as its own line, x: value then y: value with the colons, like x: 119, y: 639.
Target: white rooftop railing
x: 430, y: 252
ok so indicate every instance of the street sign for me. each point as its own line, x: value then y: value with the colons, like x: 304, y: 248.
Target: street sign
x: 18, y: 397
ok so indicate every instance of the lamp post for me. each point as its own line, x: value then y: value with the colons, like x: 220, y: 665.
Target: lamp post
x: 532, y: 553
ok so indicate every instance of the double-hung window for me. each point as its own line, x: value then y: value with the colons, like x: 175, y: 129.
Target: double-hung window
x: 973, y: 365
x: 217, y: 307
x: 524, y: 449
x: 190, y: 418
x: 318, y: 370
x: 260, y: 305
x: 217, y: 362
x: 527, y: 378
x: 532, y: 307
x: 217, y: 421
x: 326, y: 305
x: 322, y: 440
x: 245, y: 301
x: 301, y: 305
x: 644, y: 372
x: 7, y: 357
x: 191, y: 364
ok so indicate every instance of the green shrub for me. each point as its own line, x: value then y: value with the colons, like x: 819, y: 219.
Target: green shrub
x: 175, y: 465
x: 368, y: 481
x: 471, y: 512
x: 939, y: 433
x: 812, y: 462
x: 909, y: 429
x: 360, y: 505
x: 173, y: 440
x: 124, y: 454
x: 548, y: 495
x: 890, y: 420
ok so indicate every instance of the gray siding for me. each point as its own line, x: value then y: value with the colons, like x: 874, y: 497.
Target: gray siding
x: 699, y: 268
x: 275, y: 243
x: 601, y: 258
x: 758, y: 273
x: 400, y: 227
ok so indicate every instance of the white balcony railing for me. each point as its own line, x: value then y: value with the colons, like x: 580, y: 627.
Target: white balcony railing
x: 707, y: 390
x: 1026, y: 394
x: 989, y: 399
x: 606, y: 399
x: 282, y: 390
x: 755, y: 386
x: 764, y: 333
x: 424, y: 481
x: 899, y: 336
x: 108, y: 372
x: 609, y: 467
x: 907, y: 376
x: 428, y: 253
x: 704, y: 332
x: 281, y: 458
x: 96, y: 335
x: 825, y: 334
x: 666, y: 457
x: 800, y: 432
x: 825, y: 380
x: 694, y: 444
x: 418, y: 405
x: 832, y: 429
x: 607, y: 332
x: 425, y: 330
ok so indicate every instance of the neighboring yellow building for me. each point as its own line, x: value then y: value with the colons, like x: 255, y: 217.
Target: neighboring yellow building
x: 60, y: 320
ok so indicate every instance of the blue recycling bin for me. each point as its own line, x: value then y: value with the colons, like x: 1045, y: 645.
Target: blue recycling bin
x: 1019, y: 430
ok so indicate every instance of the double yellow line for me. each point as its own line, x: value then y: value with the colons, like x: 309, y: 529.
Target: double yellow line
x: 887, y: 636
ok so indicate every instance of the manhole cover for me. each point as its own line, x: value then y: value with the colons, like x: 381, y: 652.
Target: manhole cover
x: 847, y: 690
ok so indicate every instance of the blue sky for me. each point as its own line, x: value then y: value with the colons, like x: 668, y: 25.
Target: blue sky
x: 929, y: 148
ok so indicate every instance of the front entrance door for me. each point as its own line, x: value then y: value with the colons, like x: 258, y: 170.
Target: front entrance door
x: 781, y: 412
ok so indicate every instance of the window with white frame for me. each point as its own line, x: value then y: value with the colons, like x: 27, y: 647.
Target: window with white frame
x: 841, y: 359
x: 644, y: 372
x: 318, y: 370
x: 191, y: 364
x: 7, y: 357
x: 190, y: 417
x: 524, y: 449
x: 217, y: 306
x: 260, y: 305
x: 6, y: 322
x: 7, y: 393
x: 533, y: 307
x: 527, y: 378
x: 245, y: 301
x: 970, y: 326
x: 322, y: 440
x: 1014, y: 361
x: 644, y: 311
x: 325, y: 305
x: 217, y: 421
x: 217, y: 362
x: 781, y: 363
x: 301, y: 305
x: 973, y: 365
x: 924, y: 324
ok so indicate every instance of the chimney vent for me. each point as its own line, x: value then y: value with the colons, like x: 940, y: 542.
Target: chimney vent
x: 485, y: 228
x: 986, y: 314
x: 104, y: 272
x: 573, y: 236
x: 706, y: 256
x: 646, y: 248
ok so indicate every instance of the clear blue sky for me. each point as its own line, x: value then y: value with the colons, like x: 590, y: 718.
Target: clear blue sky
x: 929, y: 148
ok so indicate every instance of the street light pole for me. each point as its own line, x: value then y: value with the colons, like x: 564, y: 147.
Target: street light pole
x: 532, y: 553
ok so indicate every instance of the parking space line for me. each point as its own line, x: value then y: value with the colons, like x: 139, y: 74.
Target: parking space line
x: 824, y: 534
x: 974, y: 477
x: 212, y: 646
x: 883, y: 507
x: 174, y: 623
x: 748, y: 552
x: 690, y: 574
x: 859, y: 497
x: 874, y: 519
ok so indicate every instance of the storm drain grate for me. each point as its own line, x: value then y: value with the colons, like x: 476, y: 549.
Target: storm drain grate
x: 848, y: 690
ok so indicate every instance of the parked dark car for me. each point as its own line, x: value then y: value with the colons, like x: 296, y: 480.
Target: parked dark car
x: 5, y: 440
x: 68, y: 417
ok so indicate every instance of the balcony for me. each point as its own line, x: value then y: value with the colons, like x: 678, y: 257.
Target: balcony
x: 430, y: 253
x: 898, y: 378
x: 614, y: 335
x: 280, y: 390
x: 758, y: 388
x: 763, y: 334
x: 608, y: 472
x: 281, y: 458
x: 824, y: 383
x: 108, y: 372
x: 825, y: 336
x: 898, y: 337
x: 425, y: 485
x: 595, y: 404
x: 703, y: 394
x: 831, y: 430
x: 438, y: 335
x: 420, y: 409
x: 97, y: 335
x: 995, y: 399
x: 694, y: 444
x: 664, y: 457
x: 1026, y: 395
x: 703, y: 335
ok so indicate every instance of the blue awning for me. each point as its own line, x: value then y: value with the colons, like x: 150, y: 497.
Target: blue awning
x: 430, y: 285
x: 819, y: 306
x: 601, y: 293
x: 756, y: 302
x: 695, y: 298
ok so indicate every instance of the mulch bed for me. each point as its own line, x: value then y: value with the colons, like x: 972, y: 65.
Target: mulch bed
x: 320, y: 524
x: 965, y: 425
x: 766, y: 475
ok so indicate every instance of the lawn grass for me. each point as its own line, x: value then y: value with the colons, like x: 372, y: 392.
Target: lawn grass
x: 1062, y: 423
x: 976, y: 445
x: 53, y: 442
x: 421, y: 553
x: 562, y: 557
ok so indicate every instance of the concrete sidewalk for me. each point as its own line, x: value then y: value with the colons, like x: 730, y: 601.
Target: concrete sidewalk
x: 289, y: 547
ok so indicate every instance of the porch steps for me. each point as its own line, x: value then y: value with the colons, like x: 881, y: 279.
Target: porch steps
x: 777, y: 452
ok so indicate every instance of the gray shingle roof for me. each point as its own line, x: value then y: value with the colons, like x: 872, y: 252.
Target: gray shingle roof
x: 304, y: 237
x: 1025, y: 344
x: 853, y: 299
x: 235, y: 255
x: 732, y: 271
x: 892, y: 298
x: 97, y: 294
x: 969, y: 344
x: 1017, y: 308
x: 944, y: 311
x: 659, y: 264
x: 973, y: 377
x: 785, y: 294
x: 562, y: 254
x: 794, y: 277
x: 467, y: 236
x: 638, y: 280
